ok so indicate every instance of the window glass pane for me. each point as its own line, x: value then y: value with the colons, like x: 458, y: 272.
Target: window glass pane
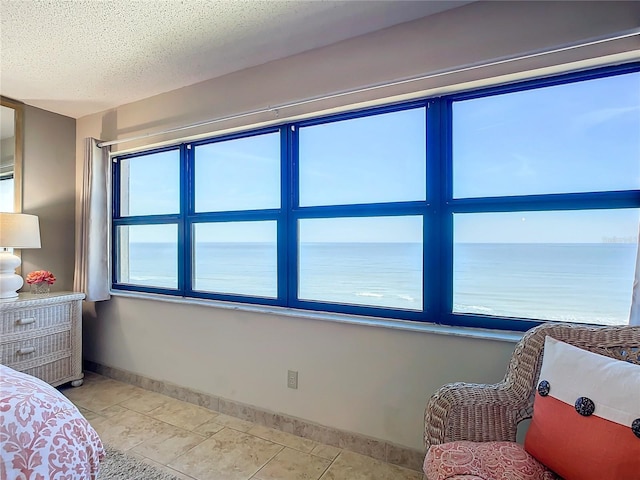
x: 241, y: 174
x: 148, y: 255
x: 6, y: 194
x: 150, y: 184
x: 575, y: 266
x: 238, y: 258
x: 380, y: 158
x: 577, y: 137
x: 362, y: 261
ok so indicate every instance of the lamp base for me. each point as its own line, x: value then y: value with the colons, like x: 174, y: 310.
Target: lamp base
x: 10, y: 283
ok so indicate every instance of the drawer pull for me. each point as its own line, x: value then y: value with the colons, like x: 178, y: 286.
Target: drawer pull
x: 26, y: 321
x: 26, y: 350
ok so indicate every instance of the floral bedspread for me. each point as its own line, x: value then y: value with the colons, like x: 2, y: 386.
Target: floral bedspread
x: 43, y: 436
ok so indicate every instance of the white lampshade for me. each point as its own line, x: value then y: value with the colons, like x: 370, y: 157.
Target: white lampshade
x: 17, y: 230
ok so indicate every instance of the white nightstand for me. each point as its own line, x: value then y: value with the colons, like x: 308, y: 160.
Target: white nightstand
x: 42, y: 335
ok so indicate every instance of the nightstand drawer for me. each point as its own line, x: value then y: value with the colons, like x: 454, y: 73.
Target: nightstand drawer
x: 27, y: 349
x: 54, y: 371
x: 24, y: 320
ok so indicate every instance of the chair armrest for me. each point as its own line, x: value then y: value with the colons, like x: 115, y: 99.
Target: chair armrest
x: 482, y: 413
x: 474, y: 412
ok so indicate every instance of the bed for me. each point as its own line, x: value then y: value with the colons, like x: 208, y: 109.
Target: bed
x: 43, y: 436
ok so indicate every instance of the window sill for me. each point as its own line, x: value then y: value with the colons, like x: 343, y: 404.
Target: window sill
x: 394, y: 324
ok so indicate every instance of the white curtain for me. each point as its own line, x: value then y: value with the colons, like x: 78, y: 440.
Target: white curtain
x: 634, y: 316
x: 92, y: 272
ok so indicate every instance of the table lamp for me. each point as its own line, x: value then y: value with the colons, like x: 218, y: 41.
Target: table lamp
x: 17, y: 230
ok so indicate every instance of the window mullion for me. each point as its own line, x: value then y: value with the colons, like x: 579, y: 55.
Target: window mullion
x: 185, y: 230
x: 437, y: 265
x: 548, y: 202
x: 290, y: 198
x: 116, y: 258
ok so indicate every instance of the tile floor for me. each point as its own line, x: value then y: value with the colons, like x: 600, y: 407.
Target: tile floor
x: 192, y: 442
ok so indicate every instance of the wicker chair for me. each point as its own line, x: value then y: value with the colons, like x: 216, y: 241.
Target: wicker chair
x: 483, y: 413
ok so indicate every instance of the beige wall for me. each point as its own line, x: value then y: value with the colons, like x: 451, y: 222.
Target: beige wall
x: 49, y: 168
x: 370, y: 380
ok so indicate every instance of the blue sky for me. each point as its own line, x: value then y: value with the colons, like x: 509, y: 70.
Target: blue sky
x: 578, y: 137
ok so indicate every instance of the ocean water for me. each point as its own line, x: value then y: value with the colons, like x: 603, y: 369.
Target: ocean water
x: 589, y: 283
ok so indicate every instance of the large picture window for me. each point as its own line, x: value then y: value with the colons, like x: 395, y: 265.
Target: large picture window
x: 500, y: 208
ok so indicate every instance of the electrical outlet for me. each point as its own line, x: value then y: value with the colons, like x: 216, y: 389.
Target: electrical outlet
x: 292, y: 379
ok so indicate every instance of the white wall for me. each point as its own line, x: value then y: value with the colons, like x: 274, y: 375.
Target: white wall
x: 370, y: 380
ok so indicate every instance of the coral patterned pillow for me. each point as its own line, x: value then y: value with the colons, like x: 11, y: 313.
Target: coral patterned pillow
x: 586, y: 415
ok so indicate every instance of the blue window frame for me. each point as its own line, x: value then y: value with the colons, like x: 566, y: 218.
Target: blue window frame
x: 500, y: 208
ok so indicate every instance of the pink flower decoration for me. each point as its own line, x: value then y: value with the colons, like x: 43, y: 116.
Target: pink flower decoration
x: 41, y: 276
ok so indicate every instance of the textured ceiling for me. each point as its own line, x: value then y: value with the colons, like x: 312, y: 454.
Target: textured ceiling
x: 78, y: 57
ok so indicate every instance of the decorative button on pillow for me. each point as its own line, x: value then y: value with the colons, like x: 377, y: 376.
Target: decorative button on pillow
x: 586, y: 415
